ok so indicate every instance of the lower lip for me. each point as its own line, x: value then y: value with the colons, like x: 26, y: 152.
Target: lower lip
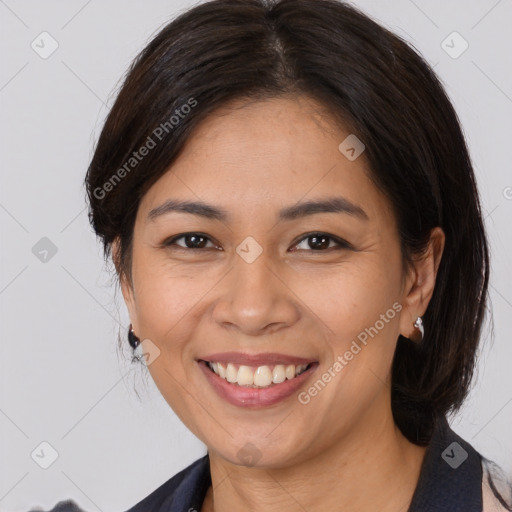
x: 243, y: 396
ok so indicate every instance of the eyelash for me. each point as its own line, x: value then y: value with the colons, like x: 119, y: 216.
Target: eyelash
x: 342, y: 244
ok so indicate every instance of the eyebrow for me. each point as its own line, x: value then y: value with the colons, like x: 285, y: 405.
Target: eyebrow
x: 329, y: 205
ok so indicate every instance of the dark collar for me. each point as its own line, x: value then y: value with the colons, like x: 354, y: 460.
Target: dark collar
x: 451, y: 475
x: 450, y: 480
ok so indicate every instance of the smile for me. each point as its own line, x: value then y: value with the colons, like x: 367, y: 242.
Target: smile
x: 252, y: 381
x: 257, y: 377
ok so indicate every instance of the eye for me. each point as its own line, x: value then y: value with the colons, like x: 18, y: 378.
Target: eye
x: 318, y: 242
x: 190, y: 241
x: 321, y: 242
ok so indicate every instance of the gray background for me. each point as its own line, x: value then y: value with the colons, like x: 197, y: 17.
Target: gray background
x: 61, y: 378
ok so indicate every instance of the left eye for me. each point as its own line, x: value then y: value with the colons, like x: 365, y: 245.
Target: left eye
x: 320, y: 242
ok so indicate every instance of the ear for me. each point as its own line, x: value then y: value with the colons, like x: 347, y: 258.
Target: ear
x: 420, y: 283
x: 125, y: 283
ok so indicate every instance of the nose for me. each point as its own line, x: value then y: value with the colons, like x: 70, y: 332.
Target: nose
x: 255, y: 300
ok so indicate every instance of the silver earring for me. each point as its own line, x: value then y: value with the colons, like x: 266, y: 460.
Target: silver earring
x: 419, y: 325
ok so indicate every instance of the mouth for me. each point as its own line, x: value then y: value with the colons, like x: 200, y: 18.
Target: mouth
x: 257, y: 377
x: 256, y: 381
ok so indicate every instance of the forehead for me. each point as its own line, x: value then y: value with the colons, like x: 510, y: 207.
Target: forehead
x: 268, y: 154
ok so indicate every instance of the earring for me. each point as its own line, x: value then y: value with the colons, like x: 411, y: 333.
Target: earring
x: 132, y: 338
x: 419, y: 325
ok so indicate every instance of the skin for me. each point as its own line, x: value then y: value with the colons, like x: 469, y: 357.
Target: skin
x: 343, y: 446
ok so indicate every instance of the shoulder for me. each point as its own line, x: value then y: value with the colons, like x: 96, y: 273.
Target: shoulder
x: 451, y: 474
x: 194, y: 479
x: 496, y: 488
x: 187, y: 483
x: 62, y: 506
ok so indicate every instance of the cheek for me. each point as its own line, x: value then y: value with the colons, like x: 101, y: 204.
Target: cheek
x: 167, y: 293
x: 170, y: 303
x: 359, y: 308
x: 351, y: 297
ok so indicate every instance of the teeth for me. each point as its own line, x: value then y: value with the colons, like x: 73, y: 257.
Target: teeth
x: 279, y: 374
x: 245, y: 376
x: 260, y: 377
x: 263, y: 377
x: 231, y: 373
x: 290, y: 371
x: 300, y: 369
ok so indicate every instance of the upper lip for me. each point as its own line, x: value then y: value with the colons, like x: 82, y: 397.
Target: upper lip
x: 267, y: 358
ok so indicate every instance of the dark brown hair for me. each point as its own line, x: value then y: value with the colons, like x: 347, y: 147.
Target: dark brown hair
x: 373, y: 82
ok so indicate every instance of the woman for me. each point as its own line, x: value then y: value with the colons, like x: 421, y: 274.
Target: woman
x: 289, y: 202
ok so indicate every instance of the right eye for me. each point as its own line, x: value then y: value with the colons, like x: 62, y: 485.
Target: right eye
x: 190, y: 241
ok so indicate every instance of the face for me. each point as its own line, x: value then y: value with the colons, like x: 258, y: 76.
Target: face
x: 255, y: 279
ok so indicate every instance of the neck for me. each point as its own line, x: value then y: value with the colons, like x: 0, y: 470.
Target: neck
x: 374, y: 467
